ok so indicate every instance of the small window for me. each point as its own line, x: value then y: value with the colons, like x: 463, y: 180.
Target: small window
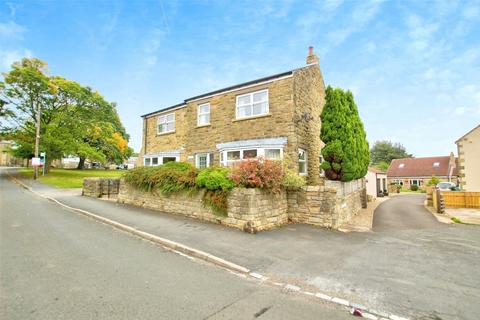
x: 272, y: 154
x: 302, y: 162
x: 203, y: 114
x: 154, y: 161
x: 436, y: 164
x: 166, y: 123
x: 147, y: 162
x: 202, y: 160
x: 252, y: 104
x: 401, y: 165
x: 249, y: 154
x: 169, y: 159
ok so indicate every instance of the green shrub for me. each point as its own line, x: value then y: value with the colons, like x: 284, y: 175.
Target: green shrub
x: 218, y: 184
x: 292, y: 180
x: 168, y: 178
x: 414, y: 187
x: 215, y: 178
x: 433, y: 181
x: 346, y: 152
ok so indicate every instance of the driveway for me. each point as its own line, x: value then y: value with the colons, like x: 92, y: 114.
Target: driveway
x: 404, y: 212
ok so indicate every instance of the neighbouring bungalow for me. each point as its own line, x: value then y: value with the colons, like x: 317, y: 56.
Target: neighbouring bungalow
x: 376, y: 181
x: 276, y: 117
x: 469, y: 160
x: 418, y: 171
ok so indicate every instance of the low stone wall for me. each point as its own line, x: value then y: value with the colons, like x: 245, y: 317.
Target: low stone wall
x: 327, y: 206
x: 250, y: 210
x: 99, y: 187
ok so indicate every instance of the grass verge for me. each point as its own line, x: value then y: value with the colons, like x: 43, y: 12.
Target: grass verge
x: 69, y: 178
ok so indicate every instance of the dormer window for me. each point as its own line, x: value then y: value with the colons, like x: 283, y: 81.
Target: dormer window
x: 401, y: 165
x: 436, y: 164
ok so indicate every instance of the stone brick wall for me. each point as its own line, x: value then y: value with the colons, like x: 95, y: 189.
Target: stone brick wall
x: 100, y: 187
x: 326, y: 206
x: 251, y: 210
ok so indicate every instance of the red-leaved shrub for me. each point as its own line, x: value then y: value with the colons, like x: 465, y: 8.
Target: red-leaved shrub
x: 258, y: 173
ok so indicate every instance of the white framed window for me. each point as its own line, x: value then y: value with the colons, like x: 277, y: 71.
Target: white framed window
x: 202, y: 160
x: 252, y: 104
x: 397, y: 181
x: 156, y: 161
x: 166, y: 123
x: 414, y: 182
x: 229, y: 157
x: 203, y: 114
x: 401, y: 165
x: 302, y: 162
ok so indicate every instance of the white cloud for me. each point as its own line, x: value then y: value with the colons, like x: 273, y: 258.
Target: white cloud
x: 11, y: 29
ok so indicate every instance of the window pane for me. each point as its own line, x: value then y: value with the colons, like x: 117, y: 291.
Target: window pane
x: 154, y: 161
x: 233, y: 155
x: 244, y: 99
x: 301, y: 167
x: 244, y: 111
x: 170, y: 126
x: 163, y: 127
x: 204, y: 108
x: 260, y: 96
x: 147, y: 161
x: 259, y: 108
x: 202, y: 160
x: 161, y: 119
x: 170, y: 117
x: 204, y: 119
x: 272, y: 154
x: 249, y: 154
x: 301, y: 154
x: 169, y: 159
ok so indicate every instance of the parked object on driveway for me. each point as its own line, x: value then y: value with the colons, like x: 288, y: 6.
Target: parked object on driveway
x: 445, y: 186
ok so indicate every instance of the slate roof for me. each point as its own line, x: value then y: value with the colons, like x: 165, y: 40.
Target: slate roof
x: 421, y: 167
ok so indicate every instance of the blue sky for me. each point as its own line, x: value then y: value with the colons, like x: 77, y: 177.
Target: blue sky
x: 413, y: 66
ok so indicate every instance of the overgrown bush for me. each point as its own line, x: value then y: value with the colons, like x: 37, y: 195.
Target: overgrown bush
x: 414, y: 187
x: 292, y: 180
x: 433, y: 181
x: 215, y: 178
x: 218, y: 184
x: 258, y: 173
x: 168, y: 178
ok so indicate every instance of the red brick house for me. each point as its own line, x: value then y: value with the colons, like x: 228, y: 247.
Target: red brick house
x: 418, y: 171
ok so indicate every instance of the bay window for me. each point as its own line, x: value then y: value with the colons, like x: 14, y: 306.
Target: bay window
x: 229, y: 157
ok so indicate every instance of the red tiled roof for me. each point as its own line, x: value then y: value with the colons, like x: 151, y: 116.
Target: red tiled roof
x: 421, y: 167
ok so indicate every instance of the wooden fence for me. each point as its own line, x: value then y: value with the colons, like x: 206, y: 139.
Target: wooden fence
x: 461, y: 199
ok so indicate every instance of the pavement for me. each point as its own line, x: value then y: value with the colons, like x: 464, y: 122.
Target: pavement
x: 55, y: 264
x: 411, y: 265
x: 465, y: 215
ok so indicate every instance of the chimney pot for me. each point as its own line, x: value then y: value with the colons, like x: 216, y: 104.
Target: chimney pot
x: 312, y: 57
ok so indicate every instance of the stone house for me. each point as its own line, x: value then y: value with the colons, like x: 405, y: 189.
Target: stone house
x: 276, y: 117
x: 418, y: 171
x: 469, y: 160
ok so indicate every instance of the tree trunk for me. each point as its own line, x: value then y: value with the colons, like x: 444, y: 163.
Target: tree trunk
x: 81, y: 164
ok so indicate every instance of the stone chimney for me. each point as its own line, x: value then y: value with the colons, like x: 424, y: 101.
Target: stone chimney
x: 312, y: 57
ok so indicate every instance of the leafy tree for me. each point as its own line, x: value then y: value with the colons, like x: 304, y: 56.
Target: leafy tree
x: 433, y: 181
x: 75, y: 120
x: 382, y: 165
x: 346, y: 152
x: 386, y: 151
